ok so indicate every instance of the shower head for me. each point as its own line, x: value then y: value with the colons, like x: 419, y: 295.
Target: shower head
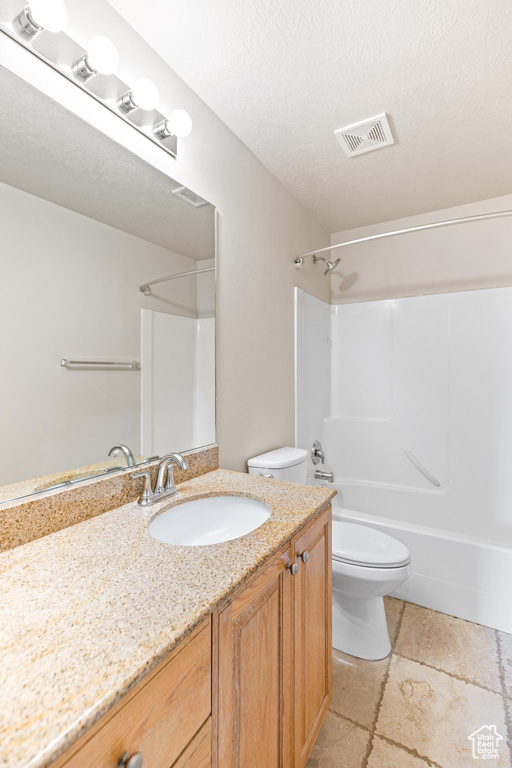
x: 330, y: 264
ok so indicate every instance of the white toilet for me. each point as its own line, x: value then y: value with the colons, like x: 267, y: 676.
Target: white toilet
x: 366, y: 565
x: 289, y: 464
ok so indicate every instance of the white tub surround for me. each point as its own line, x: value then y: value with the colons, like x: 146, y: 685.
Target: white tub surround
x: 416, y: 429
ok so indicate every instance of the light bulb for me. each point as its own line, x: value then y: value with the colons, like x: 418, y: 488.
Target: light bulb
x: 143, y: 95
x: 39, y: 15
x: 101, y: 58
x: 178, y: 124
x: 102, y: 55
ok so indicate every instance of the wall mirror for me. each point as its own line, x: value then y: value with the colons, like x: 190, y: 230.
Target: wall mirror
x: 89, y: 360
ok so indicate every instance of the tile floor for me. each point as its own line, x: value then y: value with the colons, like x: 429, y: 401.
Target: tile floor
x: 444, y: 680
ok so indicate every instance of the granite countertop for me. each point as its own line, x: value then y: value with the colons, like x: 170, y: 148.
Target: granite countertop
x: 87, y: 611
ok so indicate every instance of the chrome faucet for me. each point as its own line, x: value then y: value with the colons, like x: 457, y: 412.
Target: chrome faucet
x: 319, y: 475
x: 164, y: 486
x: 118, y: 449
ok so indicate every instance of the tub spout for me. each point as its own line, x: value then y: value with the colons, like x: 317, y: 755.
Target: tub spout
x: 319, y: 475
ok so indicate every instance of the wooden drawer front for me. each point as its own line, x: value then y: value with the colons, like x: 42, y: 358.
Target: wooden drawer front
x: 198, y: 754
x: 162, y: 717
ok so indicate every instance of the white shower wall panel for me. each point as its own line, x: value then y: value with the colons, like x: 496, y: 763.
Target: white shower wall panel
x: 362, y: 361
x: 389, y: 387
x: 421, y: 410
x: 312, y: 364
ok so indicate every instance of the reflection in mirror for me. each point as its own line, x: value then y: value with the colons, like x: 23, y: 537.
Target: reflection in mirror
x: 90, y: 361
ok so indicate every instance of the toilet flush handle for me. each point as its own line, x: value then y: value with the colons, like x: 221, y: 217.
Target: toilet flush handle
x: 266, y: 474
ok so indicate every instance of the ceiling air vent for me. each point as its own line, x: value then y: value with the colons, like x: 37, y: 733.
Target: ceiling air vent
x: 365, y: 136
x: 190, y: 197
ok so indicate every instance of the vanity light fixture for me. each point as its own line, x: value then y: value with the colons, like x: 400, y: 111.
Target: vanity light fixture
x: 178, y: 124
x: 42, y: 15
x: 142, y: 95
x: 101, y: 58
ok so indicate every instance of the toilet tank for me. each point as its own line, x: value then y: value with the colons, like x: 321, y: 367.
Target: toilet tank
x: 282, y: 464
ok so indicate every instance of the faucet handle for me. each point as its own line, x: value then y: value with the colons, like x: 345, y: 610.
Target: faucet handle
x: 146, y: 493
x: 317, y: 453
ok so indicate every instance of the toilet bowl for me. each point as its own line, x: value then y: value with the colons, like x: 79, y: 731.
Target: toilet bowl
x: 366, y: 565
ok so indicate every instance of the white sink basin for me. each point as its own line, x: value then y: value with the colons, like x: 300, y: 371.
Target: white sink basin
x: 210, y: 520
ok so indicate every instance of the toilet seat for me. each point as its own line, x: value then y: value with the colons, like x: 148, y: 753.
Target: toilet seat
x: 366, y: 547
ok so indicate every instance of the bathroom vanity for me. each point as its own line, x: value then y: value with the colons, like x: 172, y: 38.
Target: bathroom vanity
x: 139, y: 653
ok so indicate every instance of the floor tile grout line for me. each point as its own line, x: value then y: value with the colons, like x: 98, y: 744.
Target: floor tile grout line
x: 373, y: 736
x: 450, y: 674
x: 500, y: 664
x: 508, y: 719
x: 412, y: 752
x: 349, y: 720
x: 399, y: 623
x: 386, y: 675
x: 382, y: 689
x: 506, y: 703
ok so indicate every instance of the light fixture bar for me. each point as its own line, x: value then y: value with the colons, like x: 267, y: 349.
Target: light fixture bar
x: 27, y: 24
x: 82, y: 69
x: 162, y: 129
x: 77, y: 71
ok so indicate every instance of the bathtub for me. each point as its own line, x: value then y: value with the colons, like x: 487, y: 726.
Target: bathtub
x: 464, y: 576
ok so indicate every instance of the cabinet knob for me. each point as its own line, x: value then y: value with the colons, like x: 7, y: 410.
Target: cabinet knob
x: 304, y: 556
x: 130, y: 761
x: 293, y: 568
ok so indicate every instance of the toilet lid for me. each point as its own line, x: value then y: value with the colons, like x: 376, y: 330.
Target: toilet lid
x: 360, y: 545
x: 281, y: 458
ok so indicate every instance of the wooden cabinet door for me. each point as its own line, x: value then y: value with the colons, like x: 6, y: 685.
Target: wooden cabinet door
x: 255, y: 672
x: 313, y: 642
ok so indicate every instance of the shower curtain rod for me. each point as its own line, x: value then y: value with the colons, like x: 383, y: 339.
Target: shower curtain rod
x: 145, y: 287
x: 299, y: 261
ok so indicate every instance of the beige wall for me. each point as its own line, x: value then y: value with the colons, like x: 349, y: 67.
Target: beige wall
x: 458, y: 258
x: 261, y: 227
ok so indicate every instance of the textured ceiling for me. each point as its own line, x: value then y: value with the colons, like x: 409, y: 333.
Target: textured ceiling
x: 53, y: 154
x: 284, y: 75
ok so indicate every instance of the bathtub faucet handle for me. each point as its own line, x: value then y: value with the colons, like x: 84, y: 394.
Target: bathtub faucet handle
x: 317, y: 453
